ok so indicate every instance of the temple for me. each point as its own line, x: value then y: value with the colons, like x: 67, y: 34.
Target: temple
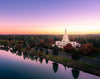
x: 65, y: 41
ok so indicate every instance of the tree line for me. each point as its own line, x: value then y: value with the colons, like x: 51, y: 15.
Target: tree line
x: 90, y: 44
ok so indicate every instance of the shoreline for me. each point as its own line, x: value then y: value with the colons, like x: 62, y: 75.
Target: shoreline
x: 72, y: 63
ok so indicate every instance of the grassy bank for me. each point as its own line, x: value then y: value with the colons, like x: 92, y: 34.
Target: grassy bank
x: 72, y: 63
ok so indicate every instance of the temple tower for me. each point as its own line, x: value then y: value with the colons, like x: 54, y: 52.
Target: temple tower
x: 65, y: 37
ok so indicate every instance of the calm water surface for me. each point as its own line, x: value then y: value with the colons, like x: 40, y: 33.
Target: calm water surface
x: 23, y: 66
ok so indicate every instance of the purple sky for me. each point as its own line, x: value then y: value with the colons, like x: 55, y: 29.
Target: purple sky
x: 49, y: 16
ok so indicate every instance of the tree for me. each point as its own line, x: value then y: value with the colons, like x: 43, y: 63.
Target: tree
x: 32, y: 44
x: 75, y: 54
x: 55, y: 50
x: 19, y: 46
x: 41, y: 49
x: 68, y: 48
x: 97, y: 50
x: 36, y: 48
x: 87, y: 49
x: 47, y: 52
x: 71, y: 38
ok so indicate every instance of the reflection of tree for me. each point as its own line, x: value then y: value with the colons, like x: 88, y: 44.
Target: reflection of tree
x: 19, y: 53
x: 12, y: 51
x: 46, y: 61
x: 25, y: 55
x: 75, y: 73
x: 4, y: 48
x: 41, y: 59
x: 36, y: 58
x: 55, y: 67
x: 64, y: 66
x: 31, y: 56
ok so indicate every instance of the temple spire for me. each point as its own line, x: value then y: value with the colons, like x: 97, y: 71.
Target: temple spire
x: 65, y: 31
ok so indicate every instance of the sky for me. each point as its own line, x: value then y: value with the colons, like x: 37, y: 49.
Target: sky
x: 49, y: 16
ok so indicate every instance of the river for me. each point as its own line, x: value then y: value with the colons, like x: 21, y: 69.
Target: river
x: 23, y: 66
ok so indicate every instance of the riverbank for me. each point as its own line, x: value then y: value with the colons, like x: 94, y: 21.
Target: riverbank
x: 71, y: 63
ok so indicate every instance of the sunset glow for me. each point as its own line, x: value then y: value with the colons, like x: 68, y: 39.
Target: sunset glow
x: 49, y: 16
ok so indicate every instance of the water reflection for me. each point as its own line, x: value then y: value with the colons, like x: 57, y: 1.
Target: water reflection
x: 31, y: 57
x: 65, y: 66
x: 40, y: 59
x: 25, y: 55
x: 36, y: 58
x: 13, y: 51
x: 6, y: 48
x: 46, y: 61
x: 75, y: 73
x: 19, y: 53
x: 55, y: 67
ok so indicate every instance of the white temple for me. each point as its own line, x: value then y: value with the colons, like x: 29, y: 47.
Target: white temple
x: 65, y: 41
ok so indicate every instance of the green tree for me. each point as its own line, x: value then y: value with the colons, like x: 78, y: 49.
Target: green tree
x: 75, y: 54
x: 41, y: 49
x: 47, y: 51
x: 55, y: 50
x: 36, y: 48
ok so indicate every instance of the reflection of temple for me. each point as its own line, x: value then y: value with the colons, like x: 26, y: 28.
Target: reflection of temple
x: 65, y: 41
x: 55, y: 67
x: 75, y: 73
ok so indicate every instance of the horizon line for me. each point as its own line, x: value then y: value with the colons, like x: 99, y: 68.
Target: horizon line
x: 49, y: 34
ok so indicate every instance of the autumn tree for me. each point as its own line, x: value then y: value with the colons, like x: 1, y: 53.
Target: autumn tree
x: 68, y: 48
x: 19, y: 46
x: 87, y: 49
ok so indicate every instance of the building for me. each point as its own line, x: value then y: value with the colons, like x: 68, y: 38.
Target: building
x: 65, y: 40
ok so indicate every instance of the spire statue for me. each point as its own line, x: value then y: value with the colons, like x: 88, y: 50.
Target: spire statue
x: 65, y: 30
